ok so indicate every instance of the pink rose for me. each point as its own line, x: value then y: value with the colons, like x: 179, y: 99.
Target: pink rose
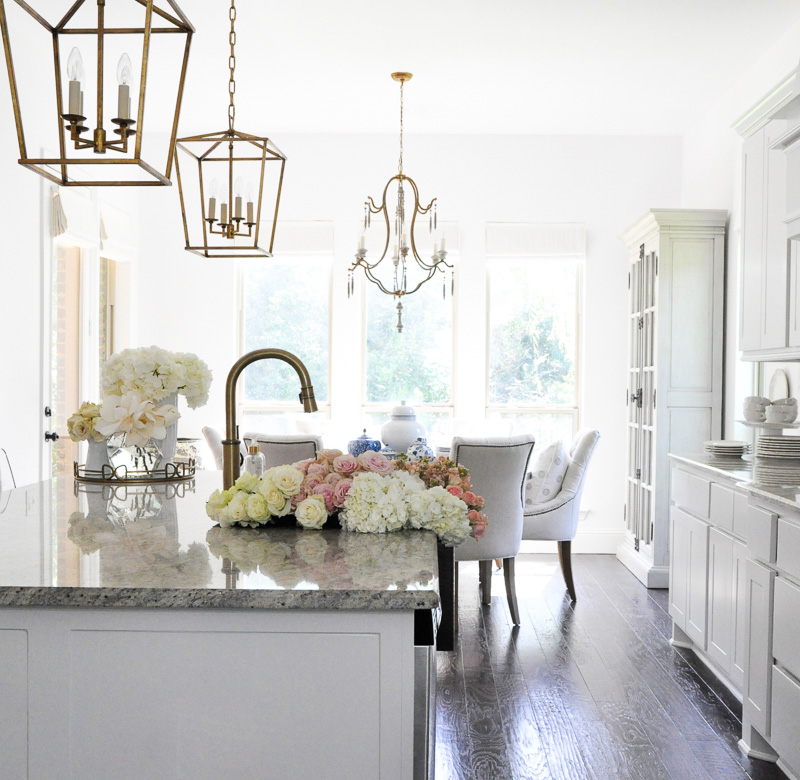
x: 298, y: 497
x: 326, y: 491
x: 345, y: 464
x: 473, y: 515
x: 456, y: 491
x: 333, y: 478
x: 318, y: 468
x: 374, y: 461
x: 329, y: 454
x: 302, y: 465
x: 311, y: 481
x: 340, y: 491
x: 470, y: 498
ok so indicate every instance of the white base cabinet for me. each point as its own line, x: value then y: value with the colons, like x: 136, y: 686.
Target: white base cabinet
x: 735, y: 599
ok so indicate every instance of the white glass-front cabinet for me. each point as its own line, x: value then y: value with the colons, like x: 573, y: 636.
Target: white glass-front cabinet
x: 674, y: 383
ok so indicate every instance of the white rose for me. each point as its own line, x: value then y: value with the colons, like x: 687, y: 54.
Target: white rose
x: 287, y: 479
x: 311, y: 513
x: 217, y: 501
x: 247, y: 482
x: 257, y: 508
x: 237, y: 508
x: 279, y: 505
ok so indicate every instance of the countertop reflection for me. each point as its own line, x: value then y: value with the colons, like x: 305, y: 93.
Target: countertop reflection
x: 79, y: 544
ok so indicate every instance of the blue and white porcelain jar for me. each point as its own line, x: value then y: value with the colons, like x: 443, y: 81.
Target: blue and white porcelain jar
x: 362, y: 444
x: 419, y: 449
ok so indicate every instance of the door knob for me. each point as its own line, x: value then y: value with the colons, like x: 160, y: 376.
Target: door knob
x: 51, y: 436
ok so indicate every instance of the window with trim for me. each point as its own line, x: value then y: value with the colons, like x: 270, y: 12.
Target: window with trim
x: 533, y: 331
x: 417, y: 365
x: 270, y: 299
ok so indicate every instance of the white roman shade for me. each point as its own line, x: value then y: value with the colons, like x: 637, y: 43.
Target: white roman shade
x: 514, y: 239
x: 117, y: 237
x: 80, y: 216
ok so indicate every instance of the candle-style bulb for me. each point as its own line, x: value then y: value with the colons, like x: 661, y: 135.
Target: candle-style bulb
x: 213, y: 188
x: 238, y: 186
x: 250, y: 199
x: 124, y: 70
x: 75, y: 65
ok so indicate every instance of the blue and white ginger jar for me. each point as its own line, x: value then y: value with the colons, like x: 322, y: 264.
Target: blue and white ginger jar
x: 362, y: 444
x: 419, y: 449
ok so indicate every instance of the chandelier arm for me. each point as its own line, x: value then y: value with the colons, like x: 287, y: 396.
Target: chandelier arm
x: 426, y: 279
x: 374, y: 279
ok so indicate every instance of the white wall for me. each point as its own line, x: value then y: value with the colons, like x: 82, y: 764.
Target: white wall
x: 712, y: 179
x: 187, y: 302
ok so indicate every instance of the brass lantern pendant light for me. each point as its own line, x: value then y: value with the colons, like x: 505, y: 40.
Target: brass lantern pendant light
x: 402, y: 277
x: 90, y: 152
x: 221, y: 209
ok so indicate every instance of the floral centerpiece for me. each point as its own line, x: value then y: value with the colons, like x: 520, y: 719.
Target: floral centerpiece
x: 135, y: 425
x: 367, y: 494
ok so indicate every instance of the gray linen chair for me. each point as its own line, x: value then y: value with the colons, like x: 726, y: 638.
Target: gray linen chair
x: 280, y: 449
x: 497, y: 471
x: 557, y: 520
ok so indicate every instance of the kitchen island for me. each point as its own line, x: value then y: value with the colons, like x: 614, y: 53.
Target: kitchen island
x: 141, y: 641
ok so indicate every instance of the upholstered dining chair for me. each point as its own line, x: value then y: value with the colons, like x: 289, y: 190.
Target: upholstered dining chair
x: 280, y: 449
x: 557, y: 519
x: 497, y: 472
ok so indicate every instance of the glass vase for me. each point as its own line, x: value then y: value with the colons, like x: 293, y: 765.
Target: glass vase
x: 144, y: 458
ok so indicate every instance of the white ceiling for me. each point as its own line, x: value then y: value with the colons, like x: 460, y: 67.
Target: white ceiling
x: 480, y: 66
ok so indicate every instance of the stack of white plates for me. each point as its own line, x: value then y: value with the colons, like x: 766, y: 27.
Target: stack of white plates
x: 734, y: 449
x: 786, y: 447
x: 776, y: 472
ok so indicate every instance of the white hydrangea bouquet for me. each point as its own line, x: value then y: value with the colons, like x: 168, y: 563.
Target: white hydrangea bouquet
x: 140, y: 389
x: 155, y: 373
x: 368, y: 494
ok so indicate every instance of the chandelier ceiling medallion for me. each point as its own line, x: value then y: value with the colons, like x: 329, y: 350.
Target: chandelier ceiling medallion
x: 218, y: 181
x: 81, y: 152
x: 401, y: 277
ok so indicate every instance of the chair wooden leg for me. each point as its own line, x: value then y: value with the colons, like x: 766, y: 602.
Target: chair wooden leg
x: 485, y: 569
x: 564, y: 556
x: 511, y: 590
x: 498, y: 563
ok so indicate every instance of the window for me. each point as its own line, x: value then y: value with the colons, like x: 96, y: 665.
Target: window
x: 534, y: 281
x: 273, y: 292
x: 416, y: 365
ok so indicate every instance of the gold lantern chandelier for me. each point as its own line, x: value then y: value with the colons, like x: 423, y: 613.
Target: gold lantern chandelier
x: 217, y: 185
x: 99, y: 155
x: 407, y: 271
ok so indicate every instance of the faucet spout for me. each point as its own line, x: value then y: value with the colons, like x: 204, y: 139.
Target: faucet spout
x: 230, y: 445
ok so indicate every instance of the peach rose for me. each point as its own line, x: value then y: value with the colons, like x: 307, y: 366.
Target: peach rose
x: 470, y: 498
x: 329, y: 454
x: 302, y: 465
x: 317, y: 468
x: 456, y: 491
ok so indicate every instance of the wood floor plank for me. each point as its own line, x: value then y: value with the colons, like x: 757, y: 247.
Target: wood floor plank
x: 590, y: 689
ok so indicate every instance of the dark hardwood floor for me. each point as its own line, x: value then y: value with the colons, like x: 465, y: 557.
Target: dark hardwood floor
x: 585, y: 690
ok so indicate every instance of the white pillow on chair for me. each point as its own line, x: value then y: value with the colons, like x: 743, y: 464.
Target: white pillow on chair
x: 546, y: 475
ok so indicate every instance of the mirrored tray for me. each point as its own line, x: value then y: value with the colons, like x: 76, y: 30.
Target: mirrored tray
x: 173, y: 472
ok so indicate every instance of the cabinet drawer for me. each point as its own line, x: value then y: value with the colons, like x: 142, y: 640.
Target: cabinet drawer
x: 691, y: 493
x: 721, y: 507
x: 740, y: 515
x: 785, y: 717
x: 789, y: 548
x: 786, y: 636
x: 762, y: 533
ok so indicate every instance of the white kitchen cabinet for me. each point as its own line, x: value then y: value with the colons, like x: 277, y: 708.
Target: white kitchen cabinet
x: 721, y: 595
x: 759, y: 594
x: 674, y: 381
x: 750, y: 306
x: 689, y: 576
x: 739, y: 615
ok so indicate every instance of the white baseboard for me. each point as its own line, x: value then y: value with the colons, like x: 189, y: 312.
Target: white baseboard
x: 750, y: 753
x: 643, y: 569
x: 785, y: 769
x: 602, y: 541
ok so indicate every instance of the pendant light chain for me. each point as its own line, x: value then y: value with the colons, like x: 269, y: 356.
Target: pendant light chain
x: 232, y: 65
x: 400, y: 166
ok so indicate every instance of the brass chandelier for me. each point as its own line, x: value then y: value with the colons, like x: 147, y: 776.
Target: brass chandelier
x: 402, y: 277
x: 221, y: 209
x: 112, y: 159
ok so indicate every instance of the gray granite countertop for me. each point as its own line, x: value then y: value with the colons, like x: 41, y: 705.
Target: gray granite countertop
x: 750, y: 474
x: 69, y: 544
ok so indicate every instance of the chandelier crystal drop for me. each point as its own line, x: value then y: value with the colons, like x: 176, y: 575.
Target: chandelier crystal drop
x: 227, y: 182
x: 400, y: 270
